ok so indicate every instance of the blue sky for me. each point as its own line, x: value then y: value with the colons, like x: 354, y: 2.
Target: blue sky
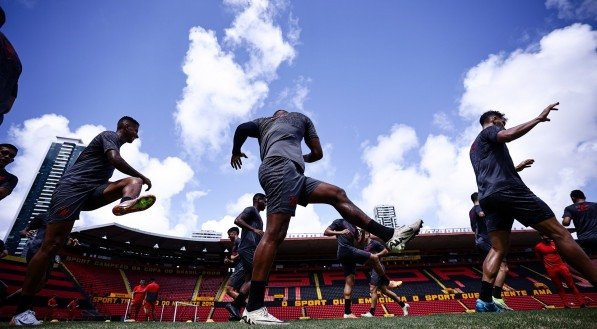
x: 395, y: 89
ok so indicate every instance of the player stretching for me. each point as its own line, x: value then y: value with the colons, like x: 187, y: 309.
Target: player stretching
x: 379, y: 283
x: 252, y: 224
x: 138, y: 297
x: 348, y: 237
x: 503, y: 196
x: 281, y: 177
x: 151, y: 297
x: 557, y: 270
x: 238, y: 277
x: 85, y: 186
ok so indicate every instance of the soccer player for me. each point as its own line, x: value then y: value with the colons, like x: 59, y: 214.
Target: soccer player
x: 8, y: 181
x: 348, y: 238
x: 584, y: 216
x: 379, y: 283
x: 52, y: 304
x: 137, y: 300
x: 547, y: 251
x: 151, y: 297
x: 483, y: 244
x: 281, y: 177
x: 237, y: 279
x: 11, y: 68
x: 85, y: 186
x: 71, y: 307
x: 252, y: 225
x: 503, y: 196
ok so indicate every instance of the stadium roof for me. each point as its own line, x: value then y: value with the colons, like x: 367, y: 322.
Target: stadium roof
x: 119, y: 237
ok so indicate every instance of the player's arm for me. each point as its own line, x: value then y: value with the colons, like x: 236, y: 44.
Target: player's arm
x: 508, y: 135
x: 240, y: 221
x: 316, y: 150
x: 331, y: 232
x: 382, y: 253
x: 525, y: 164
x: 243, y: 131
x: 119, y: 163
x: 566, y: 220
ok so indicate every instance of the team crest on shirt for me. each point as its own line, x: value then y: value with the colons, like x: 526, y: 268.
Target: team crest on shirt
x: 64, y: 212
x: 293, y: 200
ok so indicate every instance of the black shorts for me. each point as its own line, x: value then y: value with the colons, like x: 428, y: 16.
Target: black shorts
x: 501, y: 208
x: 246, y: 259
x: 69, y: 200
x: 285, y: 185
x: 349, y: 257
x: 483, y: 247
x: 238, y: 277
x: 376, y: 280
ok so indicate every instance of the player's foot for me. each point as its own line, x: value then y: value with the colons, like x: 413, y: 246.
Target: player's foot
x: 26, y: 318
x: 403, y: 234
x: 394, y: 284
x: 482, y: 307
x: 569, y: 305
x: 350, y: 316
x: 234, y: 312
x: 500, y: 303
x: 366, y: 315
x: 129, y: 206
x: 405, y: 309
x: 261, y: 316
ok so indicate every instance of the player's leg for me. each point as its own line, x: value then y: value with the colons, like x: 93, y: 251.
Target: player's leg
x: 500, y: 241
x: 386, y: 291
x: 554, y: 275
x: 348, y: 285
x: 336, y: 197
x: 374, y: 298
x: 128, y: 190
x: 498, y: 286
x: 374, y: 262
x: 565, y: 272
x: 568, y: 248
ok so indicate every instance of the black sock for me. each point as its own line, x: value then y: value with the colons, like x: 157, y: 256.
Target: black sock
x: 486, y: 289
x: 256, y: 296
x: 383, y: 232
x: 497, y: 292
x: 347, y: 306
x: 125, y: 198
x: 372, y: 311
x: 401, y: 303
x: 239, y: 301
x: 25, y: 303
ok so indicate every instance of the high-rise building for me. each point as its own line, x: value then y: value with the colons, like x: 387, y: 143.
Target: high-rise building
x: 62, y: 153
x: 385, y: 215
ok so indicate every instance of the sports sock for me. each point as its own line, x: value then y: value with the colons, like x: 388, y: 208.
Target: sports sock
x: 497, y: 292
x: 486, y: 289
x: 347, y: 306
x: 125, y: 198
x: 239, y: 300
x: 372, y: 311
x: 25, y: 303
x: 382, y: 232
x: 256, y: 296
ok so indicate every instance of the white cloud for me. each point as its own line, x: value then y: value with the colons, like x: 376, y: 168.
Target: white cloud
x: 169, y: 176
x: 574, y: 9
x: 443, y: 122
x: 437, y: 188
x: 219, y: 90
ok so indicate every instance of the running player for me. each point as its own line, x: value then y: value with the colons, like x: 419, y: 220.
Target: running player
x: 378, y: 283
x: 151, y: 297
x: 252, y: 225
x: 237, y: 278
x: 71, y: 308
x: 52, y: 304
x: 547, y: 251
x: 8, y: 181
x: 85, y: 186
x: 137, y: 300
x: 348, y: 238
x: 281, y: 177
x: 483, y: 244
x: 503, y: 196
x: 584, y: 216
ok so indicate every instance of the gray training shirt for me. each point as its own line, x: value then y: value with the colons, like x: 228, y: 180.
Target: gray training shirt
x: 282, y: 136
x: 92, y: 166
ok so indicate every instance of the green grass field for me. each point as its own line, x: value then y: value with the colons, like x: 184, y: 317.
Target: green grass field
x: 559, y: 318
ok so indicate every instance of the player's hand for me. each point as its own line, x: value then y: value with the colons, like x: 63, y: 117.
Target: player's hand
x: 525, y: 164
x: 236, y: 161
x: 345, y: 232
x: 551, y: 107
x: 147, y: 182
x: 258, y: 231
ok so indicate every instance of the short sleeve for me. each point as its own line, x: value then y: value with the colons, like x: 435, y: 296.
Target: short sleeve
x: 310, y: 132
x: 490, y: 133
x: 567, y: 212
x: 249, y: 212
x: 336, y: 225
x: 110, y: 141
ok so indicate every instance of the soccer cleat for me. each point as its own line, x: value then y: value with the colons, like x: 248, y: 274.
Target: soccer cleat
x: 261, y: 316
x: 234, y: 312
x: 500, y: 303
x: 394, y: 284
x: 366, y: 315
x: 26, y: 318
x: 405, y: 309
x: 483, y: 307
x: 133, y: 205
x: 350, y: 316
x: 403, y: 234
